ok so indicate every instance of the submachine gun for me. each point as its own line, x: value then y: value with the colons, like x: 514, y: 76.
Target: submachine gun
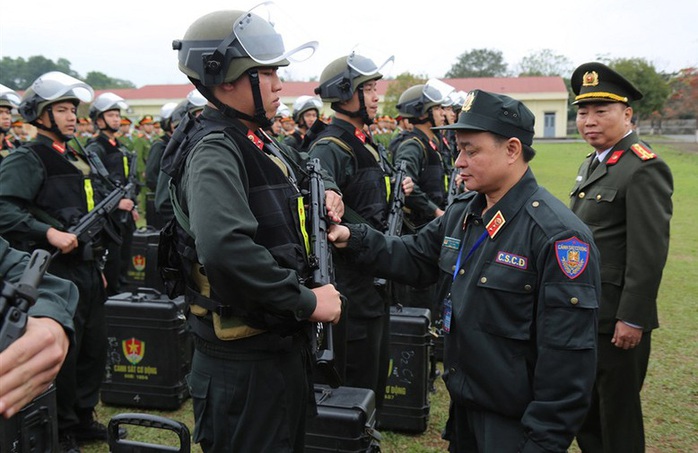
x: 35, y: 426
x: 395, y: 219
x: 16, y: 299
x: 322, y: 270
x: 92, y: 223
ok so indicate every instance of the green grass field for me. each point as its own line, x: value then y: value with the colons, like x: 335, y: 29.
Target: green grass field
x: 670, y: 395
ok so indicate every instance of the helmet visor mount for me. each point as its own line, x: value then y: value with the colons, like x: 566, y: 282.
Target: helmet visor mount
x: 54, y: 85
x: 437, y: 91
x: 265, y: 32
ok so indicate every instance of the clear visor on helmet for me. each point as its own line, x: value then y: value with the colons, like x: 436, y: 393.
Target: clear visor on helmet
x: 196, y: 99
x: 365, y: 60
x: 283, y: 111
x: 167, y: 109
x: 307, y: 101
x: 53, y: 85
x: 459, y: 98
x: 437, y: 91
x: 10, y: 96
x: 269, y: 36
x: 109, y: 101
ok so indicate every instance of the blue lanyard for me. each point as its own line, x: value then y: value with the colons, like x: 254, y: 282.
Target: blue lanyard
x: 477, y: 244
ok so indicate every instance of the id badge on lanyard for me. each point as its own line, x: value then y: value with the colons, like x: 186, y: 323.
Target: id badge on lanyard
x: 448, y: 304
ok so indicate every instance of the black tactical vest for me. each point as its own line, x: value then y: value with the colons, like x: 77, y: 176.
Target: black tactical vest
x: 64, y: 193
x: 113, y: 158
x: 366, y: 192
x: 273, y: 199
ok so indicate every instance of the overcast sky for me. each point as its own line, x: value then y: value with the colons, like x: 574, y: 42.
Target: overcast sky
x: 133, y: 40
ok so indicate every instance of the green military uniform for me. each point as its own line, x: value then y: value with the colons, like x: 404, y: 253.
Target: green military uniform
x: 244, y: 213
x: 626, y: 202
x: 23, y: 203
x: 520, y: 343
x: 363, y: 337
x: 426, y: 168
x: 57, y: 298
x: 117, y: 160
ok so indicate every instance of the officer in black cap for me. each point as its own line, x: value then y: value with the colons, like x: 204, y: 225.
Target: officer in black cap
x: 519, y: 277
x: 623, y: 192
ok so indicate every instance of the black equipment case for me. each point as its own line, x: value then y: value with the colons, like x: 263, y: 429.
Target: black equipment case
x: 142, y: 268
x: 406, y: 405
x: 345, y: 422
x: 149, y: 352
x: 34, y: 428
x: 117, y: 445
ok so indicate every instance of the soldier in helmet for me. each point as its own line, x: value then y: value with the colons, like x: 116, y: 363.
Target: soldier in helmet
x: 9, y: 100
x: 421, y: 149
x: 105, y: 114
x: 306, y: 111
x: 192, y: 105
x: 422, y: 104
x: 45, y: 187
x: 348, y: 153
x: 239, y: 210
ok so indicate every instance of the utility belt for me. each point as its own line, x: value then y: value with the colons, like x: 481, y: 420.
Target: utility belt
x: 262, y: 346
x: 226, y: 326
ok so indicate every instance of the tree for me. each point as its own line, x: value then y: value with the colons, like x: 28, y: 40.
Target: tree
x: 644, y: 76
x: 479, y: 63
x: 100, y: 81
x: 19, y: 73
x: 545, y: 63
x: 683, y: 101
x: 396, y: 88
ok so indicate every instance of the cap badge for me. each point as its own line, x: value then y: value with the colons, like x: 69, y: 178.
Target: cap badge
x: 468, y: 101
x: 591, y: 79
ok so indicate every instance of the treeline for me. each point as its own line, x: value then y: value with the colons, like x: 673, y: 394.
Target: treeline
x: 667, y: 95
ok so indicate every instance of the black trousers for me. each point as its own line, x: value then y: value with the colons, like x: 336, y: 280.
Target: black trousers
x: 80, y: 377
x: 614, y: 421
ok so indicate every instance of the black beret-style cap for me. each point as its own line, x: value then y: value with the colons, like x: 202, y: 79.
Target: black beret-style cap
x: 496, y: 113
x: 596, y: 82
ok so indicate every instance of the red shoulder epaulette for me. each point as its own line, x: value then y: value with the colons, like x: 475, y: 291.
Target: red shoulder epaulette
x: 642, y: 151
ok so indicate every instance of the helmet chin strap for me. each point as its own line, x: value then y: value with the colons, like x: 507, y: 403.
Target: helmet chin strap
x: 54, y: 127
x: 260, y: 115
x: 361, y: 113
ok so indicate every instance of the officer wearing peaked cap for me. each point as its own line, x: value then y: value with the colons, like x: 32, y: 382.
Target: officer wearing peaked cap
x: 519, y: 277
x: 623, y: 193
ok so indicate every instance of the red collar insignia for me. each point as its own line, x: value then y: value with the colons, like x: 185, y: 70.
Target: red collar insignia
x: 58, y: 147
x: 254, y: 139
x: 358, y: 133
x: 495, y: 224
x: 614, y: 157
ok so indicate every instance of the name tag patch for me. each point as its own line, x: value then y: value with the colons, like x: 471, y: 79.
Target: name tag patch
x: 451, y: 243
x: 510, y: 259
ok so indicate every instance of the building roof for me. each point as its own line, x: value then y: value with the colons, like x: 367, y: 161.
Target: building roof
x: 503, y: 85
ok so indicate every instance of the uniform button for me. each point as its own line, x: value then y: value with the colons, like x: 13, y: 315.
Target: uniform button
x: 453, y: 268
x: 452, y: 370
x: 581, y: 194
x: 528, y: 288
x: 574, y: 301
x: 483, y: 280
x: 598, y: 197
x: 461, y: 272
x: 476, y: 222
x: 535, y: 204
